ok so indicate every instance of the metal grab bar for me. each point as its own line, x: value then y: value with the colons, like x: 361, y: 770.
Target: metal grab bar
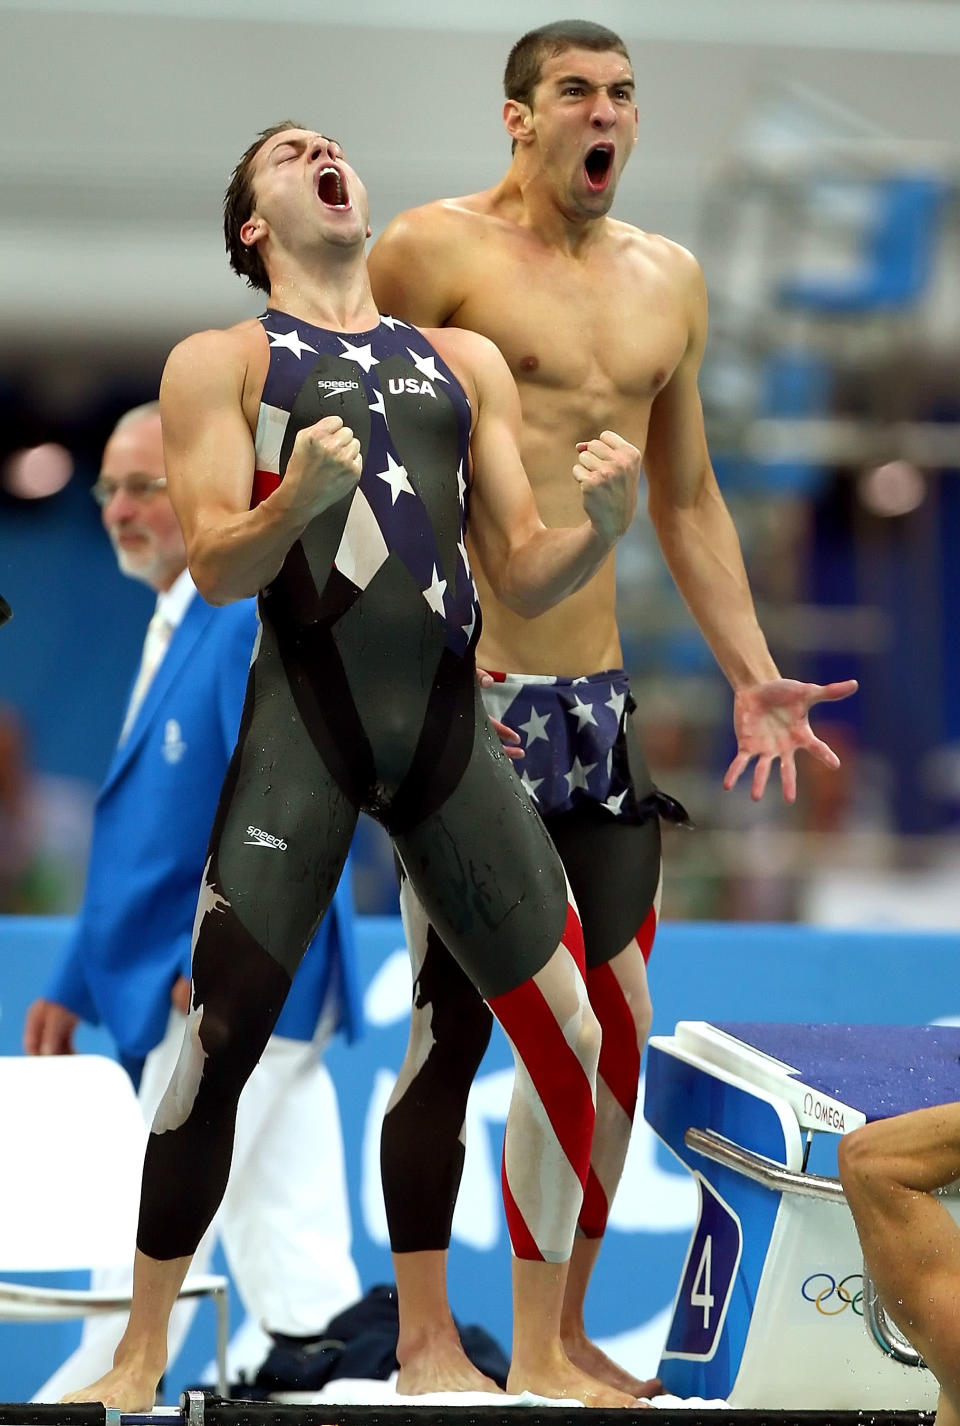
x: 885, y: 1332
x: 769, y: 1174
x: 762, y: 1170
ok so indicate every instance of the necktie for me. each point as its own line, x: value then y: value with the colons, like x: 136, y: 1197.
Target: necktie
x: 154, y: 647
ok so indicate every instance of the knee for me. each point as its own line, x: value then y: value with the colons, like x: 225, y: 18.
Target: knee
x: 587, y: 1041
x: 231, y: 1048
x: 642, y: 1010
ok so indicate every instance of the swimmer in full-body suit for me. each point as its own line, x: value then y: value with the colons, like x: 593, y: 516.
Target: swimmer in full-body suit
x: 328, y: 459
x: 602, y: 325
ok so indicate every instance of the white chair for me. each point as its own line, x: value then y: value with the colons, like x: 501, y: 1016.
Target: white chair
x: 73, y: 1137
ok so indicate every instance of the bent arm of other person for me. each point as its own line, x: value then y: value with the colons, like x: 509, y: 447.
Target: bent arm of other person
x: 531, y: 566
x: 234, y: 551
x: 702, y: 551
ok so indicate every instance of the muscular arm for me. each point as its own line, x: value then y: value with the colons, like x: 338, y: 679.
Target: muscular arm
x: 234, y: 551
x: 688, y: 513
x: 532, y: 567
x: 700, y: 546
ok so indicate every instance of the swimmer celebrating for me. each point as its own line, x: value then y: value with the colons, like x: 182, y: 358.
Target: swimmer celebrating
x: 602, y: 325
x: 332, y: 462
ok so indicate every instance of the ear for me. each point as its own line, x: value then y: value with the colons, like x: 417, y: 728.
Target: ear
x: 369, y: 231
x: 252, y: 231
x: 518, y: 120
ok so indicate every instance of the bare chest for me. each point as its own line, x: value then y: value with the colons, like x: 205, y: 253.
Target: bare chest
x: 604, y: 336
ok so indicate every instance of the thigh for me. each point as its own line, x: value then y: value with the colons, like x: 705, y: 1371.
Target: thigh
x: 614, y: 873
x: 487, y: 873
x: 283, y: 826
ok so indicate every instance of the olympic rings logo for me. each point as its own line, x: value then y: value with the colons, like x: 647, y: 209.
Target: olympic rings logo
x: 822, y: 1289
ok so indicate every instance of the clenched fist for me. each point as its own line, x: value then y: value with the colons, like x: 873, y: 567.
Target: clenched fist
x: 608, y: 473
x: 324, y: 466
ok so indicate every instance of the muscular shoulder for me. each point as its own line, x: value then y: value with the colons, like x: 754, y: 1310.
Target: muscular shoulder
x: 433, y: 228
x: 219, y: 364
x: 221, y: 354
x: 421, y: 263
x: 676, y: 263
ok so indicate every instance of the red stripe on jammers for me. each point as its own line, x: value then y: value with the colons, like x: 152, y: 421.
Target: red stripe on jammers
x: 644, y: 937
x: 595, y: 1209
x: 265, y: 483
x: 521, y: 1239
x: 573, y: 938
x: 619, y: 1066
x: 557, y: 1074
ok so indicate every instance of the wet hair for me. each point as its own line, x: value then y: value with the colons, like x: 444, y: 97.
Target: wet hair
x: 238, y: 204
x: 525, y: 60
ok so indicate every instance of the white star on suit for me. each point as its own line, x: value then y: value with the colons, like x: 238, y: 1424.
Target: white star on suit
x: 292, y: 342
x: 534, y: 727
x: 434, y: 593
x: 469, y: 628
x: 392, y: 322
x: 363, y: 356
x: 427, y: 367
x: 583, y: 714
x: 614, y: 804
x: 463, y: 554
x: 377, y: 406
x: 396, y: 477
x: 616, y: 702
x: 461, y: 483
x: 531, y: 785
x: 578, y: 774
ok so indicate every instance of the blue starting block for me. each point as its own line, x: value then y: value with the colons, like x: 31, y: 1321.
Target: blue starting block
x: 772, y: 1309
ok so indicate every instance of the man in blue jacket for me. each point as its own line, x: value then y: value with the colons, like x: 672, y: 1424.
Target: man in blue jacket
x: 284, y: 1223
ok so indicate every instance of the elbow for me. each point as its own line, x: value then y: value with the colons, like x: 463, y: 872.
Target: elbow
x: 530, y: 608
x: 525, y: 603
x: 208, y: 587
x: 207, y: 578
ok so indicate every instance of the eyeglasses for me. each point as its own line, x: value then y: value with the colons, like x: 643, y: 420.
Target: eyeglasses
x: 138, y: 487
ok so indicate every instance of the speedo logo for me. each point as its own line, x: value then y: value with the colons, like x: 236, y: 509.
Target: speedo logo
x: 333, y: 388
x: 256, y: 838
x: 409, y: 384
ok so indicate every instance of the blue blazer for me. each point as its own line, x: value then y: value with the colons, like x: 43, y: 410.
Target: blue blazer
x: 132, y: 935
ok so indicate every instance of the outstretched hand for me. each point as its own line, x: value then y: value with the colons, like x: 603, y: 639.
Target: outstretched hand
x: 771, y: 721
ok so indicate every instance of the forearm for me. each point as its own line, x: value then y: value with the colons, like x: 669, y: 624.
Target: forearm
x: 235, y: 556
x: 702, y: 552
x: 919, y: 1151
x: 549, y: 565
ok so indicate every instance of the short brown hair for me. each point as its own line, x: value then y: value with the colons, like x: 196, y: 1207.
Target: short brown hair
x: 238, y: 204
x: 525, y: 61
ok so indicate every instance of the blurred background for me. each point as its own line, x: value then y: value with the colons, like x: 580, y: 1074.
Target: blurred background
x: 809, y: 153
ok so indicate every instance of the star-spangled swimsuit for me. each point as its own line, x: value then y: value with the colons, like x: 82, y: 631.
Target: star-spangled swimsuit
x: 362, y: 696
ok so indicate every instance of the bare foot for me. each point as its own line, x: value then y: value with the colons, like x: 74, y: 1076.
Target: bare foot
x: 441, y: 1366
x: 590, y: 1359
x: 562, y: 1380
x: 128, y: 1388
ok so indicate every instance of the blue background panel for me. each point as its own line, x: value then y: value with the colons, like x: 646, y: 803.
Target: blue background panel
x: 698, y: 971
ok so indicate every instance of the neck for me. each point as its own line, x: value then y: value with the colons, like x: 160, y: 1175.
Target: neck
x: 525, y: 195
x: 334, y: 294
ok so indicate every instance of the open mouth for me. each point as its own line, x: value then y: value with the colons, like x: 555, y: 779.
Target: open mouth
x: 331, y: 189
x: 598, y: 166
